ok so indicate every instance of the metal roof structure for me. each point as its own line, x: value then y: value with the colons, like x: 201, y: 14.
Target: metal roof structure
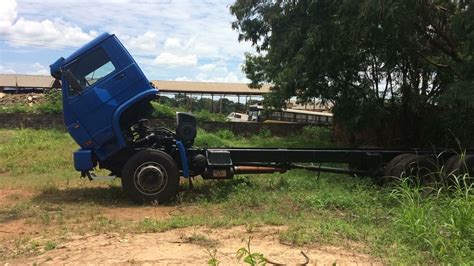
x: 208, y: 87
x: 36, y: 81
x: 26, y: 81
x: 8, y: 80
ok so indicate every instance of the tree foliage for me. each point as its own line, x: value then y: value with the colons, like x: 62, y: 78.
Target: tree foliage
x: 371, y: 58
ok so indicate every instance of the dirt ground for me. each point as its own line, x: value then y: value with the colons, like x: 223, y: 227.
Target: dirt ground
x: 191, y: 246
x: 184, y: 246
x: 21, y: 98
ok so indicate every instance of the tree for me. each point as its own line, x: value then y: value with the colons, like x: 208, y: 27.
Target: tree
x: 370, y: 58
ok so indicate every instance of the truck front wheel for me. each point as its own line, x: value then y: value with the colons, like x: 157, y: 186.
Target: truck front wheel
x: 150, y: 176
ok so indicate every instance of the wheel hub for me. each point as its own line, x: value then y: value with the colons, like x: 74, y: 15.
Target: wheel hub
x: 150, y: 178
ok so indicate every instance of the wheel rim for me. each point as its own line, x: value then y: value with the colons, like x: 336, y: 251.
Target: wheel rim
x: 150, y: 178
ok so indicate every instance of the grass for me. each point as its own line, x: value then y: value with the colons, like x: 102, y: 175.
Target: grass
x: 441, y: 224
x: 42, y: 108
x: 311, y: 137
x: 53, y: 105
x: 400, y: 225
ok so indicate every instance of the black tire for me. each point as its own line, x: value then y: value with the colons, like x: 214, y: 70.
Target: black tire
x: 387, y: 176
x: 422, y: 170
x: 457, y: 166
x: 150, y: 176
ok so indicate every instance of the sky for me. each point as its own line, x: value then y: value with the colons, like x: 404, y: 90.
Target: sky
x: 185, y: 40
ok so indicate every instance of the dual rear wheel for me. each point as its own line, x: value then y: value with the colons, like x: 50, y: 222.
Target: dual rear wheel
x: 458, y: 168
x: 425, y: 170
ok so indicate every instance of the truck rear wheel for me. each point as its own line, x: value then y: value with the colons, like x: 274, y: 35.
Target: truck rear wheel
x: 421, y: 170
x: 150, y: 176
x: 458, y: 166
x: 388, y: 175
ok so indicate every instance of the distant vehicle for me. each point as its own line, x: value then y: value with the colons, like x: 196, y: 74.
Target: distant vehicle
x: 259, y: 113
x: 238, y: 117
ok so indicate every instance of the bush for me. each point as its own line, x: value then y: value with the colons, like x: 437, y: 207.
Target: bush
x: 15, y: 109
x: 167, y: 111
x: 205, y: 115
x: 226, y: 134
x: 313, y: 132
x: 163, y: 111
x: 53, y: 104
x: 264, y: 133
x: 206, y: 139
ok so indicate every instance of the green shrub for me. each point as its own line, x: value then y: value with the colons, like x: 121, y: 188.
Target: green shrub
x: 163, y: 111
x: 206, y: 139
x: 15, y: 109
x: 225, y: 134
x: 205, y: 115
x: 314, y: 132
x: 167, y: 111
x: 49, y: 108
x: 264, y: 133
x: 53, y: 103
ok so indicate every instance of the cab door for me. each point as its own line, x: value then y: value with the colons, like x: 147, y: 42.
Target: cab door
x: 98, y: 80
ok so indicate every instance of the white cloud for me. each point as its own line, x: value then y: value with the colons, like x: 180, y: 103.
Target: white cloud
x: 140, y: 43
x: 227, y: 78
x: 6, y: 70
x: 183, y: 38
x: 45, y: 33
x: 184, y: 78
x: 231, y: 77
x: 173, y: 43
x: 38, y: 69
x: 175, y: 60
x: 207, y: 67
x: 37, y: 65
x: 41, y: 72
x: 8, y: 14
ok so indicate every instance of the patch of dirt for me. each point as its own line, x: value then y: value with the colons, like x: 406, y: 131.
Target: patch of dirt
x: 16, y: 228
x: 156, y: 213
x: 138, y: 213
x: 179, y: 247
x: 12, y: 196
x: 21, y: 98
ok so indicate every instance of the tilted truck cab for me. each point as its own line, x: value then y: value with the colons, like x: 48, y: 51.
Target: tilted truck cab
x: 106, y: 100
x: 100, y: 82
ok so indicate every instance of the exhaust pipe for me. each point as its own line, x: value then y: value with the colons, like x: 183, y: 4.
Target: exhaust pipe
x: 244, y: 169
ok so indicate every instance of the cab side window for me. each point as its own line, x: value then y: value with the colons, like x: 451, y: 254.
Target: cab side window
x: 88, y: 70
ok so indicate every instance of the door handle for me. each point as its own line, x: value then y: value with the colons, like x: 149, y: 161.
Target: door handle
x: 120, y: 76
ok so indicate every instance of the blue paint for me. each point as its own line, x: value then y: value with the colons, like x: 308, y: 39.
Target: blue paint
x: 110, y: 82
x: 183, y: 157
x: 83, y: 160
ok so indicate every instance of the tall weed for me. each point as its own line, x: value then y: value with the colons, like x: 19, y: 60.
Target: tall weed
x: 440, y: 225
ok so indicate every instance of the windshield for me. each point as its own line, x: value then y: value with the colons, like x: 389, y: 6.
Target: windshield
x: 88, y: 70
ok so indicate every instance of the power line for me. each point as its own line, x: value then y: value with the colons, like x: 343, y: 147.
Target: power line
x: 97, y: 2
x: 61, y: 45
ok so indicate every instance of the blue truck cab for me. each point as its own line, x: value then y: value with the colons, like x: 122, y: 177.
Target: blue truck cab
x: 100, y: 82
x: 106, y: 103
